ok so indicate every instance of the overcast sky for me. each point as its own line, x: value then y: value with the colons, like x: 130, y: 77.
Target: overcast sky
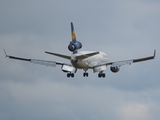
x: 123, y: 29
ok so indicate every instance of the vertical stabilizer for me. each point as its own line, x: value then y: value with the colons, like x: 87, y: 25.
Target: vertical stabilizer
x: 73, y: 33
x: 74, y: 45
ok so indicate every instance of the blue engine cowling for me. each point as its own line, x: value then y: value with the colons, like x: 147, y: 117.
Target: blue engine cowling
x: 73, y: 46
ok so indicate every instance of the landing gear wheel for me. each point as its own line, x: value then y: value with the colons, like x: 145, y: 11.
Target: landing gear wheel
x: 70, y: 75
x: 101, y: 75
x: 85, y: 74
x: 104, y: 75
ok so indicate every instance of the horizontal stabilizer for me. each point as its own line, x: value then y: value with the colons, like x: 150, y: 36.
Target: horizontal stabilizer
x: 59, y: 55
x: 87, y: 55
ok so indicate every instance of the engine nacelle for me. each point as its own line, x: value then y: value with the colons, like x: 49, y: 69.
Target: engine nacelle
x: 114, y: 69
x: 74, y: 46
x: 68, y: 68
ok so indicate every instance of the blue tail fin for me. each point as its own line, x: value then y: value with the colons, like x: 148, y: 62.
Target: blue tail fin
x: 73, y: 33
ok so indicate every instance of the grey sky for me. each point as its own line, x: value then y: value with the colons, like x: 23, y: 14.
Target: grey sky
x: 122, y: 29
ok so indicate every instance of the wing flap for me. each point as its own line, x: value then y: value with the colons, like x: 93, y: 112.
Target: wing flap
x: 120, y: 63
x: 43, y: 62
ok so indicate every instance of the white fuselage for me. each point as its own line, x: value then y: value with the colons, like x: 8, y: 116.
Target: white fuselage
x: 90, y: 62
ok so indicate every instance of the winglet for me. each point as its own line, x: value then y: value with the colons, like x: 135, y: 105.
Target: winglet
x: 5, y: 53
x: 154, y: 53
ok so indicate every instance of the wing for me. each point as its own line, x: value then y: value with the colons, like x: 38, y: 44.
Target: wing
x: 120, y: 63
x: 36, y: 61
x: 125, y: 62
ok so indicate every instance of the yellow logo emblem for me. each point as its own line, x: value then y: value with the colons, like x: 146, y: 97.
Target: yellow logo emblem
x: 73, y: 35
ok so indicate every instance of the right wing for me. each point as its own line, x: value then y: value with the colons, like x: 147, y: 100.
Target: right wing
x: 87, y: 55
x: 120, y: 63
x: 125, y: 62
x: 36, y: 61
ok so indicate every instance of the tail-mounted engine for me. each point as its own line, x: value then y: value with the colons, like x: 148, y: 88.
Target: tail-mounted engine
x: 114, y: 69
x: 73, y: 46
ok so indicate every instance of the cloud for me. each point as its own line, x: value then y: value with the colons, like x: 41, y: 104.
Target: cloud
x: 134, y: 112
x: 61, y: 100
x: 122, y: 29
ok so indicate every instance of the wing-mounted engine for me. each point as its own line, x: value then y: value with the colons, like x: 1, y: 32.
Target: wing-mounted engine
x: 68, y: 68
x: 114, y: 69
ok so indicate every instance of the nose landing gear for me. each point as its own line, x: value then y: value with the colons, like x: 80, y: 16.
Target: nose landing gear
x: 85, y: 74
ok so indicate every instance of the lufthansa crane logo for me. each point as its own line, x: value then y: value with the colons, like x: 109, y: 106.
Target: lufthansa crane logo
x: 73, y: 35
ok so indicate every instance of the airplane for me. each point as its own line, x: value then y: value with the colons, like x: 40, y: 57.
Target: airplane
x: 96, y: 60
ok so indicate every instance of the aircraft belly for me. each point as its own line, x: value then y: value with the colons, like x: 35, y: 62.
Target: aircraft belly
x: 81, y: 64
x: 89, y: 62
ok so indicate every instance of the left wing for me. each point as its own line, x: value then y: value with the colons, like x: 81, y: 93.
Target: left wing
x: 36, y: 61
x: 65, y: 67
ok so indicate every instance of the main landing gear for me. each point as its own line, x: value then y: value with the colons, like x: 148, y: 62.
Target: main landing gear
x: 101, y: 74
x: 70, y: 75
x: 85, y: 74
